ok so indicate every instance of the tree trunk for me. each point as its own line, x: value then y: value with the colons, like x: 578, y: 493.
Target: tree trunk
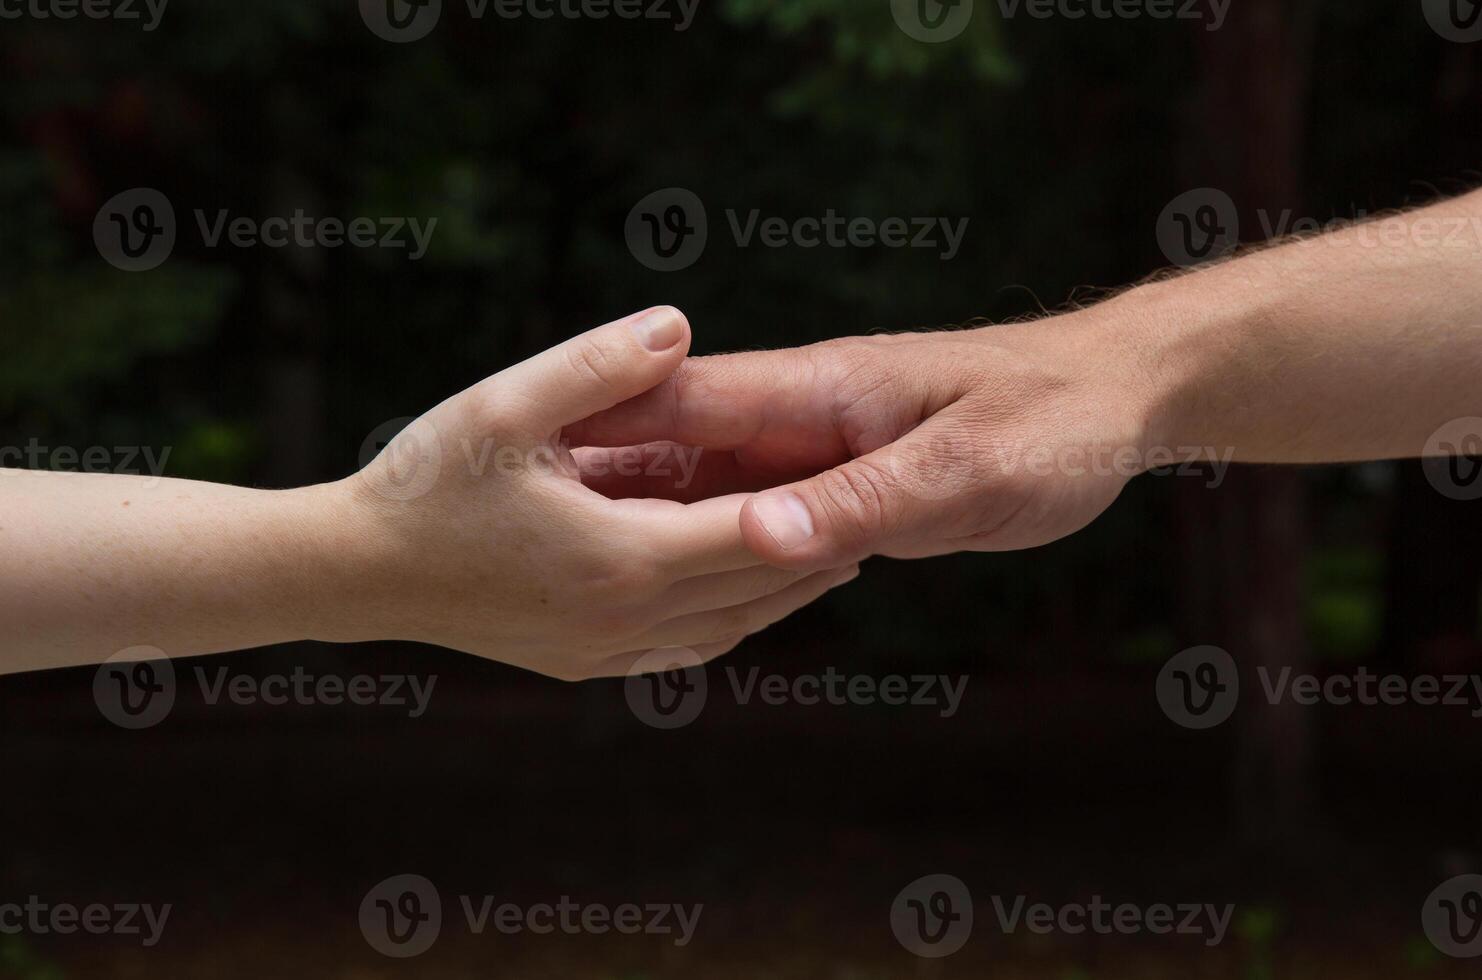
x: 1249, y: 144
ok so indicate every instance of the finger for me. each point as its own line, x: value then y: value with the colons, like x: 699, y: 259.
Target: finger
x: 726, y: 402
x: 723, y: 589
x: 916, y: 489
x: 747, y: 618
x: 688, y: 539
x: 595, y: 370
x: 668, y: 471
x: 627, y: 664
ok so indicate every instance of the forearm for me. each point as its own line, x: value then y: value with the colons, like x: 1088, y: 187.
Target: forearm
x: 1354, y: 345
x: 91, y: 564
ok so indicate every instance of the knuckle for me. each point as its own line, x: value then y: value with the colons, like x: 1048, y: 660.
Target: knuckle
x: 594, y: 363
x: 494, y: 411
x: 857, y: 497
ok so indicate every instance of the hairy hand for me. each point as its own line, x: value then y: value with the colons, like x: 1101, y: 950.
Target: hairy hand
x: 907, y: 445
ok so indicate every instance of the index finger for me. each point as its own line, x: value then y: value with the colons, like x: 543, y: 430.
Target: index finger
x: 721, y: 402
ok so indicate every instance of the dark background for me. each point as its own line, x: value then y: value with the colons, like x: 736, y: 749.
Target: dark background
x: 1062, y: 141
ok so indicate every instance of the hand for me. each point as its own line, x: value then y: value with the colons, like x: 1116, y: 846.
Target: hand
x: 909, y: 445
x: 477, y: 533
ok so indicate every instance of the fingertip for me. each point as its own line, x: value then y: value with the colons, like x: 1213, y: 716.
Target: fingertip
x: 778, y: 528
x: 662, y: 330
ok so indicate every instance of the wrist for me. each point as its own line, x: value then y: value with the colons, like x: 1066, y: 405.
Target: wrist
x: 328, y: 555
x: 1170, y: 349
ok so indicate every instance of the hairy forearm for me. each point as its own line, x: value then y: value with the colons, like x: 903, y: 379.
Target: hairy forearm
x: 91, y: 564
x: 1354, y: 345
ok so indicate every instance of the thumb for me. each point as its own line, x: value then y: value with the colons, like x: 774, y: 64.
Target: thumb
x: 887, y: 498
x: 600, y: 368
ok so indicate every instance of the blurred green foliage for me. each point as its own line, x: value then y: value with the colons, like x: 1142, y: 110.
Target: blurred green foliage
x: 18, y: 961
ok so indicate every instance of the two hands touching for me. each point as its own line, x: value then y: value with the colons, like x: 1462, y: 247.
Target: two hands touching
x: 580, y: 509
x: 536, y: 518
x: 578, y: 543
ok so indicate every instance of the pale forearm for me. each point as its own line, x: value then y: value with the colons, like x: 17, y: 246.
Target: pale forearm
x: 470, y: 530
x: 91, y: 564
x: 1355, y: 345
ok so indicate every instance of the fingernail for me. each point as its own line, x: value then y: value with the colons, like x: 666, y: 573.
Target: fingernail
x: 659, y: 329
x: 785, y: 517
